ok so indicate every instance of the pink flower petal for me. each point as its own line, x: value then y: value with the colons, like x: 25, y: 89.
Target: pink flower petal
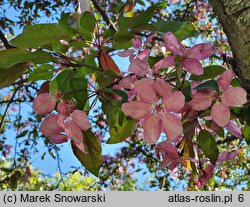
x: 60, y: 121
x: 152, y: 128
x: 162, y: 87
x: 173, y: 45
x: 220, y: 114
x: 137, y: 43
x: 225, y: 79
x: 149, y: 39
x: 144, y: 54
x: 49, y: 126
x: 58, y: 138
x: 201, y: 101
x: 172, y: 126
x: 173, y: 102
x: 165, y: 63
x: 126, y: 53
x: 73, y: 131
x: 44, y: 103
x: 127, y: 82
x: 62, y: 108
x: 139, y: 67
x: 224, y: 156
x: 201, y: 51
x: 136, y: 109
x: 234, y: 129
x: 234, y: 96
x: 145, y: 90
x: 206, y: 176
x: 193, y: 66
x: 81, y: 119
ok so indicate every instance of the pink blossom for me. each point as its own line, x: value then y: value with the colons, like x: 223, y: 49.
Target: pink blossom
x: 137, y: 43
x: 234, y: 129
x: 207, y: 174
x: 156, y: 114
x: 52, y: 130
x: 190, y: 58
x: 72, y: 121
x: 27, y: 173
x: 44, y: 103
x: 138, y: 57
x: 230, y: 96
x: 170, y: 155
x: 224, y: 156
x: 139, y: 67
x: 7, y: 149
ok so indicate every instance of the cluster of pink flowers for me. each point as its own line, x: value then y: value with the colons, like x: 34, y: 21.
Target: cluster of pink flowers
x: 68, y: 123
x: 159, y: 106
x: 229, y: 96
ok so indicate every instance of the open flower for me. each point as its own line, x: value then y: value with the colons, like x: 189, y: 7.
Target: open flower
x: 170, y: 155
x: 72, y: 121
x: 230, y: 96
x: 138, y: 57
x: 190, y: 57
x: 156, y: 114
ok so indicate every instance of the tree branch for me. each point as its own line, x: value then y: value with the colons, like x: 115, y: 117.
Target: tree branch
x: 5, y: 42
x: 104, y: 15
x: 7, y: 107
x: 234, y: 18
x: 228, y: 139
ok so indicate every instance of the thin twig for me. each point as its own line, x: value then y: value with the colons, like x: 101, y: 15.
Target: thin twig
x: 104, y: 15
x: 7, y: 107
x: 60, y: 170
x: 6, y: 43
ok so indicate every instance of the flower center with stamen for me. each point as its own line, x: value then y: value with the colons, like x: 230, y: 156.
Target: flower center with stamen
x: 157, y: 107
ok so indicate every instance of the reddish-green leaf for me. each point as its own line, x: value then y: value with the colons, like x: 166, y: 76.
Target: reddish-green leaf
x: 92, y: 160
x: 108, y: 63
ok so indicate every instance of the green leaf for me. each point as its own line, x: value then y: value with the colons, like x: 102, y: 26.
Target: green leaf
x: 120, y: 93
x: 41, y: 73
x: 105, y: 78
x: 35, y: 36
x: 92, y: 160
x: 121, y: 132
x: 73, y: 85
x: 89, y: 61
x: 14, y: 180
x: 187, y: 93
x: 181, y: 30
x: 246, y: 133
x: 88, y: 22
x: 122, y: 45
x: 144, y: 28
x: 123, y: 36
x: 244, y: 113
x: 108, y: 33
x: 11, y: 57
x: 235, y: 82
x: 143, y: 18
x: 22, y: 134
x: 208, y: 145
x: 209, y: 72
x: 211, y: 84
x: 8, y: 76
